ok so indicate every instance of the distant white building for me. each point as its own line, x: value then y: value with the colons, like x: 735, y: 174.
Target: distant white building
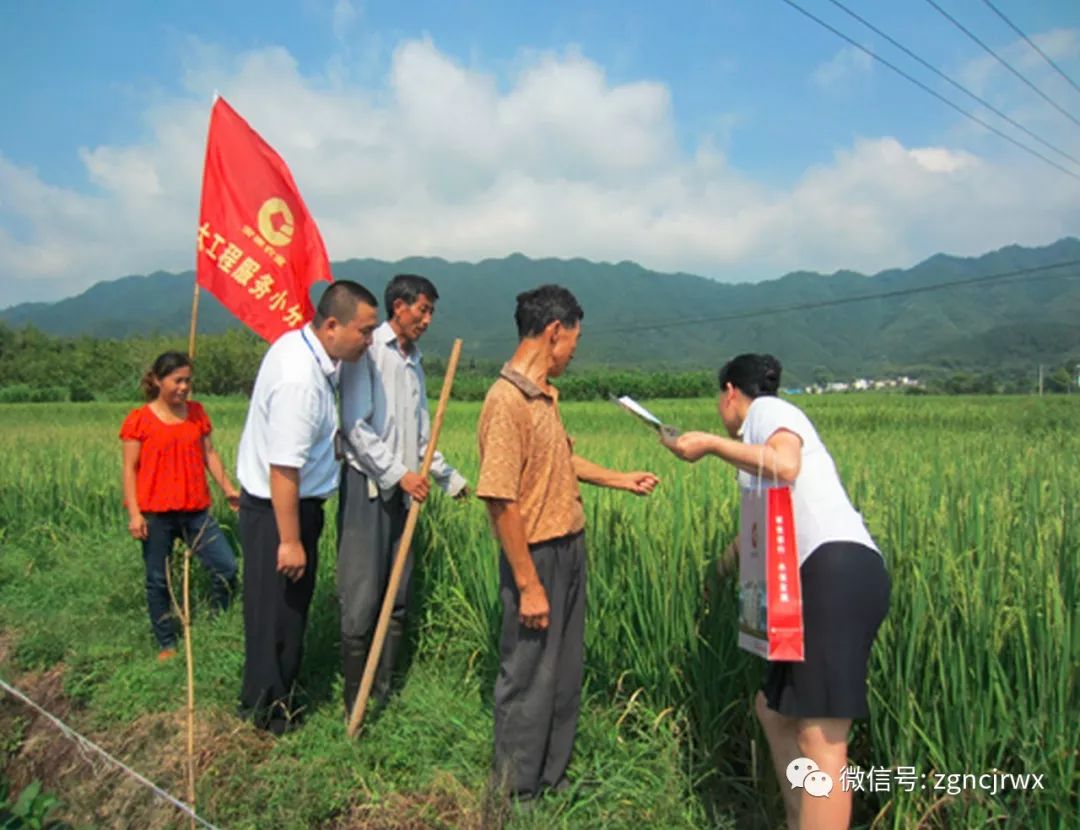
x: 863, y: 385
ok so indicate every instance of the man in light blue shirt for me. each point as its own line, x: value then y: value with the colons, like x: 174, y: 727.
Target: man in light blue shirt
x: 386, y: 427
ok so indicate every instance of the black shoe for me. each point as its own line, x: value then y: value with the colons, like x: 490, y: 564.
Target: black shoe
x: 274, y: 720
x: 497, y: 785
x: 353, y: 660
x: 560, y: 786
x: 383, y: 687
x: 280, y: 726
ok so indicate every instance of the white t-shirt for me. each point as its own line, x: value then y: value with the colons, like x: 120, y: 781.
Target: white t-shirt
x: 823, y: 512
x: 292, y: 417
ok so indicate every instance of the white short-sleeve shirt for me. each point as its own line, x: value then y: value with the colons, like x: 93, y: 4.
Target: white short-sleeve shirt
x: 292, y: 417
x: 823, y: 512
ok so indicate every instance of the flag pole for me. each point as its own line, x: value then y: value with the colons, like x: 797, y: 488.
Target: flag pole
x: 195, y: 294
x: 357, y: 716
x: 194, y: 320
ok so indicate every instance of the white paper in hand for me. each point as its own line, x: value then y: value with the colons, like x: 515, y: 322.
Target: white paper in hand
x: 629, y: 404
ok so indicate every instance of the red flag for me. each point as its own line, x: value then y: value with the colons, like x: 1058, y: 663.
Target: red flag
x: 258, y: 250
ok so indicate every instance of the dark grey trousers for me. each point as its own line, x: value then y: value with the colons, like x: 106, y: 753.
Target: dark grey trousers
x: 368, y: 534
x: 538, y: 690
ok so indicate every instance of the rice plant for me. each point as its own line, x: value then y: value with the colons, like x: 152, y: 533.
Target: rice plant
x: 970, y: 499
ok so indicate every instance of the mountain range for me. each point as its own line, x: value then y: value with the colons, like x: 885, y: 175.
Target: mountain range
x: 1001, y: 311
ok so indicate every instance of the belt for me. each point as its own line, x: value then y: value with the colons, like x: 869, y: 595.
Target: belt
x: 255, y: 501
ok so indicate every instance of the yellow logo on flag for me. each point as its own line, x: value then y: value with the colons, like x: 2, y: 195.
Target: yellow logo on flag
x: 276, y: 222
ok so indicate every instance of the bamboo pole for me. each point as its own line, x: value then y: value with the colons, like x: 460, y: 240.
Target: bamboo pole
x: 357, y: 716
x: 190, y: 682
x: 182, y: 609
x: 194, y: 320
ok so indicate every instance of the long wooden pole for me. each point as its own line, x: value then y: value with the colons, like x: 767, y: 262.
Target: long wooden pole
x: 190, y: 658
x: 195, y: 297
x: 194, y: 320
x: 357, y: 716
x: 182, y: 610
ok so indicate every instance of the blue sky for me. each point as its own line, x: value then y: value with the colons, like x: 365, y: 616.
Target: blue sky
x: 733, y: 139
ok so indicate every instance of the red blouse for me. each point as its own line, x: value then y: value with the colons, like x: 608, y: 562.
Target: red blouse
x: 170, y: 472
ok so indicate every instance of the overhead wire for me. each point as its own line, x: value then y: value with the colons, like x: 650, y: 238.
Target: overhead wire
x: 1032, y: 44
x: 1030, y: 150
x: 837, y: 301
x: 954, y: 83
x: 1004, y: 276
x: 1005, y: 63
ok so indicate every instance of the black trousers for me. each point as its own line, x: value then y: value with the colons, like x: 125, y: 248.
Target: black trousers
x: 275, y: 610
x: 538, y: 690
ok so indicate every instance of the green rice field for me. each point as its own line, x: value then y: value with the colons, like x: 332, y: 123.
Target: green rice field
x: 972, y: 501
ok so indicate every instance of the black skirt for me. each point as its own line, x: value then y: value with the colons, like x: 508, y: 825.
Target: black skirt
x: 845, y: 594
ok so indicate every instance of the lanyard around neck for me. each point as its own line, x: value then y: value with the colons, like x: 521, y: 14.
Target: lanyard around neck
x: 318, y: 363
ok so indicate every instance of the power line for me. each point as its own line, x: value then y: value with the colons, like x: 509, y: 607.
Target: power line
x: 858, y: 298
x: 1005, y: 63
x: 898, y: 292
x: 85, y: 745
x: 1031, y: 43
x: 954, y: 83
x: 933, y: 92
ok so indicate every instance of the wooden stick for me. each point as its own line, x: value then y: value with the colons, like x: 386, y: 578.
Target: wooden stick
x: 194, y: 320
x: 357, y: 716
x: 182, y: 610
x: 190, y: 682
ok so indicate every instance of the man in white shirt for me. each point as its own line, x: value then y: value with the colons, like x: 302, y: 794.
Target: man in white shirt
x: 287, y: 469
x: 387, y: 427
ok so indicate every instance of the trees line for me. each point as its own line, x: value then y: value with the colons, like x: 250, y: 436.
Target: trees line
x: 35, y: 366
x: 38, y: 367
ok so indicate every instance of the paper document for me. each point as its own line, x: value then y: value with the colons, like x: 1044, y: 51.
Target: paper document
x: 629, y: 404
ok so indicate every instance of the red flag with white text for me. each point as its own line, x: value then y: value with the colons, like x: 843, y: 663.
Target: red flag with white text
x: 258, y: 248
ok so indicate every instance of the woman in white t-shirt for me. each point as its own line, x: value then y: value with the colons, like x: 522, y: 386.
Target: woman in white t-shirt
x: 806, y: 709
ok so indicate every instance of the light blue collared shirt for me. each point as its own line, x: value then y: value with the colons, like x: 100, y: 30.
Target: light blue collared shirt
x: 384, y: 413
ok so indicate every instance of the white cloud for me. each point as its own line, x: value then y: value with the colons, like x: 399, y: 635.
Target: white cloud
x: 987, y: 77
x: 940, y: 160
x: 343, y: 17
x: 843, y: 70
x: 986, y: 73
x: 442, y: 159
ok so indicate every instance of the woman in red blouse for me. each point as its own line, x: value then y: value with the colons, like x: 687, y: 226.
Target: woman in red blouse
x: 167, y: 450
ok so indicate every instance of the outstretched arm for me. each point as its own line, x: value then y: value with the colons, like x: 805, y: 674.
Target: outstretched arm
x: 779, y: 458
x: 638, y: 482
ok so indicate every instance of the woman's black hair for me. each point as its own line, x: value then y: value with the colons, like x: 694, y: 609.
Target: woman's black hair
x: 165, y: 365
x: 755, y: 375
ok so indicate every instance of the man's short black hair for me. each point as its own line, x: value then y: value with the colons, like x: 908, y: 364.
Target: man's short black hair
x: 408, y: 287
x: 340, y: 301
x: 538, y: 308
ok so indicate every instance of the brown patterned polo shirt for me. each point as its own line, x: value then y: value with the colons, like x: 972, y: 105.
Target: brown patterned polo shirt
x: 525, y: 456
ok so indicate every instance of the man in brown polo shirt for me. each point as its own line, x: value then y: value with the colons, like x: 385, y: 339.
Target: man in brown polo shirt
x: 529, y: 479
